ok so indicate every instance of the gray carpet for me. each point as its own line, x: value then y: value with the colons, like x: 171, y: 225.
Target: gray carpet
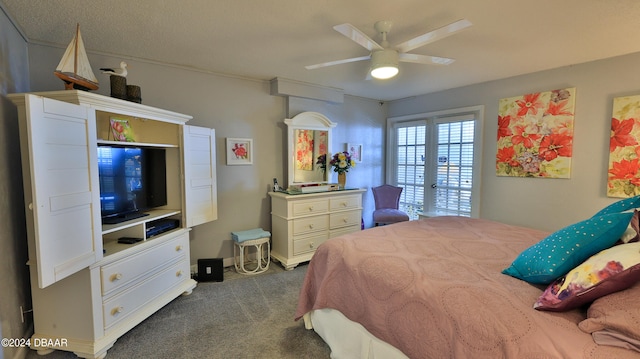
x: 241, y: 317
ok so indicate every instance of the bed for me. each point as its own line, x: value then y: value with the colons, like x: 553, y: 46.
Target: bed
x: 434, y: 288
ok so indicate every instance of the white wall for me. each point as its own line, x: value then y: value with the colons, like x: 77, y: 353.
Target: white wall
x: 545, y: 203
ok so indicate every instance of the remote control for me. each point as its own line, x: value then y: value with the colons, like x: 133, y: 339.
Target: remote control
x: 129, y: 240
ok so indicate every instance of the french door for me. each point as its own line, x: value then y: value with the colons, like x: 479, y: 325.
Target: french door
x: 436, y: 160
x: 410, y: 165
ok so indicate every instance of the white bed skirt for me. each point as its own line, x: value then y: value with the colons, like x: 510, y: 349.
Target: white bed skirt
x: 348, y: 339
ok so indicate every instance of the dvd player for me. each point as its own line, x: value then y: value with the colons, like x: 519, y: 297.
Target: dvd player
x: 160, y: 226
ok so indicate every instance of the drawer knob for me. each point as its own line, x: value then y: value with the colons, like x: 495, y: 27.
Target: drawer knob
x: 344, y: 220
x: 115, y: 277
x: 179, y: 273
x: 117, y: 310
x: 178, y: 248
x: 311, y: 245
x: 311, y: 226
x: 310, y: 208
x: 344, y: 204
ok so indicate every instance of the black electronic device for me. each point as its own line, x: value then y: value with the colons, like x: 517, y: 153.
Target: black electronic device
x: 210, y: 270
x: 160, y: 226
x: 129, y: 240
x: 132, y: 180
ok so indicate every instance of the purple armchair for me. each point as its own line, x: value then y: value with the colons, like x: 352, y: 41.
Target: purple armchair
x: 387, y: 199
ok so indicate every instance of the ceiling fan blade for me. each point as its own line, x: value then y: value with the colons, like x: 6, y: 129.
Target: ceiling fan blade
x: 424, y: 59
x: 434, y: 35
x: 358, y: 36
x: 337, y: 62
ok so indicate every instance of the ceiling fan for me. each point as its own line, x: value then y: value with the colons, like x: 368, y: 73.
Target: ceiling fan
x: 384, y: 59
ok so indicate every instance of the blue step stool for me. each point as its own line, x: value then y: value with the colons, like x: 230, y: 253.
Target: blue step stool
x: 253, y: 237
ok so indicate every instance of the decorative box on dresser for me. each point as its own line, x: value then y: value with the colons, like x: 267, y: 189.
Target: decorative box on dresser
x: 88, y: 289
x: 301, y: 222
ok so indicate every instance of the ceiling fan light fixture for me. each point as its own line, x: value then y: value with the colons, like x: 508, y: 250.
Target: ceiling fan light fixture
x: 384, y: 64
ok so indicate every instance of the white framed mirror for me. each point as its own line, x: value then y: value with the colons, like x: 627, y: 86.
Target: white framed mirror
x: 309, y: 137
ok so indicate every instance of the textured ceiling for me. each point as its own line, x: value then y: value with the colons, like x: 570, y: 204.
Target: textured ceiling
x: 263, y: 39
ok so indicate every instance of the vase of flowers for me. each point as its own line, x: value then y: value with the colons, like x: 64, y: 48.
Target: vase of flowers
x: 341, y: 163
x: 342, y: 179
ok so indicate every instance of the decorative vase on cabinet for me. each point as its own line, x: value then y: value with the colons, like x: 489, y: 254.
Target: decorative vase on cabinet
x: 342, y: 179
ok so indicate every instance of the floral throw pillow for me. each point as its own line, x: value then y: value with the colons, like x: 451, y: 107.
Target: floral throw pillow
x: 609, y: 271
x: 632, y: 234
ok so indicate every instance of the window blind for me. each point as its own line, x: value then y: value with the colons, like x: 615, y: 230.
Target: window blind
x: 454, y: 168
x: 410, y: 169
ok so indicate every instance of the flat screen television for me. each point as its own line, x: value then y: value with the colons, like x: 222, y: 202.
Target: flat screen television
x: 132, y: 181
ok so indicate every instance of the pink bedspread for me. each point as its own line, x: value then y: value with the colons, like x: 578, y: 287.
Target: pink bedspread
x: 433, y: 289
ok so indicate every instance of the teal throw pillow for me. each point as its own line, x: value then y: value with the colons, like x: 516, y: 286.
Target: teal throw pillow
x: 620, y: 206
x: 563, y: 250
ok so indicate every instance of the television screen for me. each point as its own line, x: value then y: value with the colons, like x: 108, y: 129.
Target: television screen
x: 132, y: 180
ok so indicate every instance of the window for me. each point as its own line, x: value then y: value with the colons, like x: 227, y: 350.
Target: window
x: 445, y: 149
x: 454, y: 168
x: 410, y: 147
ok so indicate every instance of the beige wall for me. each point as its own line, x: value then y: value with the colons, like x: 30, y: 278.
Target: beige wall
x: 14, y: 273
x: 547, y: 204
x: 239, y: 107
x: 363, y: 123
x: 235, y: 107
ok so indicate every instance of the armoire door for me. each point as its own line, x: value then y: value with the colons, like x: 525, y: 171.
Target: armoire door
x: 62, y: 191
x: 199, y: 145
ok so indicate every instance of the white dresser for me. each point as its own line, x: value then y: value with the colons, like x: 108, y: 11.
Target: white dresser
x: 301, y: 222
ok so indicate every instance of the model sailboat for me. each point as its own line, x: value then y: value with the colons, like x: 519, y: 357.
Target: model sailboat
x: 74, y: 68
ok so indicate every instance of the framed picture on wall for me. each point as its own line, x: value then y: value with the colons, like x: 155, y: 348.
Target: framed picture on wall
x: 239, y: 151
x: 355, y: 150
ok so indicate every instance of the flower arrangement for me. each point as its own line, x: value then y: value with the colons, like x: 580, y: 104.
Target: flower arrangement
x: 342, y: 162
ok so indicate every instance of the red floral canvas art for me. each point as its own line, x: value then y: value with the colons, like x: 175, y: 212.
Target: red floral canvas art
x: 304, y: 150
x: 239, y: 151
x: 535, y: 134
x: 624, y: 148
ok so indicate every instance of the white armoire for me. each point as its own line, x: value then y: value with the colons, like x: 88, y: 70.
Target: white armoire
x: 88, y: 289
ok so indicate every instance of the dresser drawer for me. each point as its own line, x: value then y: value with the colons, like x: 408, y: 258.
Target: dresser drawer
x: 342, y: 219
x: 118, y: 274
x: 129, y: 301
x: 344, y: 202
x: 308, y: 243
x: 310, y: 224
x: 303, y: 208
